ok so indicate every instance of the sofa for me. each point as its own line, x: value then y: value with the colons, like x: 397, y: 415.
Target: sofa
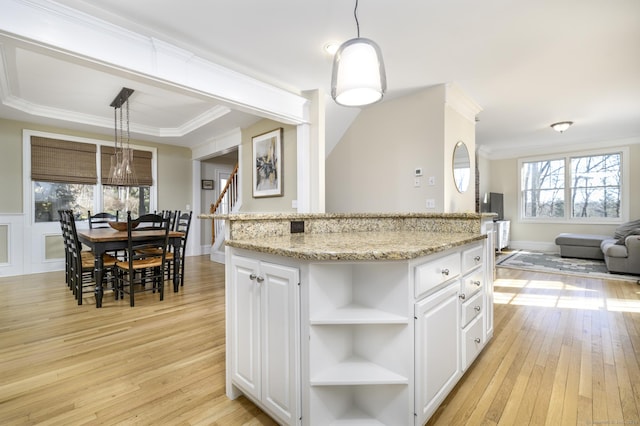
x: 621, y: 252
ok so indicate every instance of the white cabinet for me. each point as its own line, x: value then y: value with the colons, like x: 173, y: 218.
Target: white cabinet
x: 449, y: 331
x: 437, y: 340
x: 502, y: 228
x: 360, y: 354
x: 354, y: 342
x: 263, y: 330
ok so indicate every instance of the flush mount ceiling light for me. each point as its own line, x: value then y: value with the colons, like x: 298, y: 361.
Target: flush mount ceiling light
x: 561, y: 126
x: 358, y: 76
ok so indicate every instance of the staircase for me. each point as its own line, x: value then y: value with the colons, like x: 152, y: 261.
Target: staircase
x: 226, y: 203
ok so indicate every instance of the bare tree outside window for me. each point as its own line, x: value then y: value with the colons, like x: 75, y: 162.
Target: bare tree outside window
x: 591, y: 185
x: 595, y: 187
x: 543, y: 189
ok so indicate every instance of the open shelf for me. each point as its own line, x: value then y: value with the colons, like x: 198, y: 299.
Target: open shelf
x: 358, y: 314
x: 359, y: 293
x: 361, y: 405
x: 357, y: 371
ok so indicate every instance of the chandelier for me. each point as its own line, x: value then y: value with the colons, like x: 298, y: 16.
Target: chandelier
x: 121, y: 172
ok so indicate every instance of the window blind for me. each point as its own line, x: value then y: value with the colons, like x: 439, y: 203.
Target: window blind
x: 141, y: 165
x: 54, y: 160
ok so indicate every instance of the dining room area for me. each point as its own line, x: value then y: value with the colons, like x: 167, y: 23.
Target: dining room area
x: 128, y: 255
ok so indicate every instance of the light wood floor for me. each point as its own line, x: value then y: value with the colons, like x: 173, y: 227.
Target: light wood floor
x: 566, y: 351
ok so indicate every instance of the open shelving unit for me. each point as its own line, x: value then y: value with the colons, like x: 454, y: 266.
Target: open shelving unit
x: 360, y: 344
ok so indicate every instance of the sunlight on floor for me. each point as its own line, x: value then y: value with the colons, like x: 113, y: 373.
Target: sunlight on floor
x: 556, y: 294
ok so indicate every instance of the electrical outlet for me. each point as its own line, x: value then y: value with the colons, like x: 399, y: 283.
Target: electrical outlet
x: 297, y: 226
x: 431, y: 203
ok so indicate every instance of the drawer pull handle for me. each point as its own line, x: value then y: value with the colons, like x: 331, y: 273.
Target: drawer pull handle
x: 445, y: 272
x: 477, y: 282
x: 462, y: 296
x: 477, y: 308
x: 260, y: 279
x: 477, y: 340
x: 477, y: 259
x: 253, y: 277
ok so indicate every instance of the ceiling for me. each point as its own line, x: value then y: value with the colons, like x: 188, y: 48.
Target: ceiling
x: 527, y: 64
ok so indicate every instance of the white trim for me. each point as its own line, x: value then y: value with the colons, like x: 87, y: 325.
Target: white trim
x: 534, y: 246
x: 64, y: 30
x: 14, y: 265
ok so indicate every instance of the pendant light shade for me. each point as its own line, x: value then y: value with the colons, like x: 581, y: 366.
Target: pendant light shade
x: 358, y: 76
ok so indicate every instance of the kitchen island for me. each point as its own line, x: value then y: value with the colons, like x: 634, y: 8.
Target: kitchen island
x: 357, y: 319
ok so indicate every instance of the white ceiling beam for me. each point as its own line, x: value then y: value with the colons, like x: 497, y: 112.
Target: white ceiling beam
x: 68, y: 31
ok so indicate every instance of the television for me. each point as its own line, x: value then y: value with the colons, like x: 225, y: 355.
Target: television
x: 496, y: 206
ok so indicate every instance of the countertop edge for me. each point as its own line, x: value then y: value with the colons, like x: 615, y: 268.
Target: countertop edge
x: 301, y: 253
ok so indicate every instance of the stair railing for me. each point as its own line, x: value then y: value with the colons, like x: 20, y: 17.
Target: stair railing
x: 224, y: 204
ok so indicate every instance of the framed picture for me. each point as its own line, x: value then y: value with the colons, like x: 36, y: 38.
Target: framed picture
x: 267, y: 164
x: 207, y: 184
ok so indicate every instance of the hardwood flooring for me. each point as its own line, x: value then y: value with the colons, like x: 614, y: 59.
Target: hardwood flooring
x: 565, y: 351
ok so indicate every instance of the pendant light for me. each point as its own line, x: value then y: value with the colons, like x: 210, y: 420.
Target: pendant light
x: 358, y: 76
x: 121, y: 172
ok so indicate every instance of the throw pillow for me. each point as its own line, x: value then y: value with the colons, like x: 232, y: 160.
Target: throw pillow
x: 623, y: 230
x: 622, y: 239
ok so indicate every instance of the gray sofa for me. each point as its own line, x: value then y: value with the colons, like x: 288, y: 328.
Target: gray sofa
x: 621, y: 252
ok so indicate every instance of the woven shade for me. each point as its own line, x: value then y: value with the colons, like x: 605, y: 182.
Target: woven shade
x: 141, y: 165
x: 54, y: 160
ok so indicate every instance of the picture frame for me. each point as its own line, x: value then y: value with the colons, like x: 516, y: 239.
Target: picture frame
x: 207, y: 184
x: 267, y: 164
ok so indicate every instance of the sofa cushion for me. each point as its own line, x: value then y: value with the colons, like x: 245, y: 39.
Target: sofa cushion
x: 623, y: 230
x: 623, y: 237
x: 611, y: 248
x: 583, y: 240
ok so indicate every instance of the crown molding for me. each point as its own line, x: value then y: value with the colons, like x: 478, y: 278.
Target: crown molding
x: 66, y: 31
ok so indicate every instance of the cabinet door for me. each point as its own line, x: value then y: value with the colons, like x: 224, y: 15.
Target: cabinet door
x: 280, y: 318
x: 437, y: 349
x: 245, y: 325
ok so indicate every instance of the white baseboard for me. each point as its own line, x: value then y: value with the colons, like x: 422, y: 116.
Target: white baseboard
x: 217, y: 256
x: 545, y: 247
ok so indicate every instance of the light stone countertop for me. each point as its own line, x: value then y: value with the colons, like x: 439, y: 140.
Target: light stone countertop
x: 401, y: 245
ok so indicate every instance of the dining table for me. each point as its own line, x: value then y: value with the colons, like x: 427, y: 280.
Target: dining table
x: 102, y: 240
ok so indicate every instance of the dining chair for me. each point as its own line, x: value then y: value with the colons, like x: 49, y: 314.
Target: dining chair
x: 82, y: 262
x: 102, y: 219
x: 150, y: 231
x: 183, y: 223
x: 67, y: 248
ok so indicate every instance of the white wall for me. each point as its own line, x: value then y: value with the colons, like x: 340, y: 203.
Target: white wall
x: 372, y: 168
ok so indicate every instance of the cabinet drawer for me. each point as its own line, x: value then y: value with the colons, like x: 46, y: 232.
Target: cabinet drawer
x: 430, y: 275
x: 473, y: 282
x: 472, y: 308
x: 471, y: 258
x: 472, y: 341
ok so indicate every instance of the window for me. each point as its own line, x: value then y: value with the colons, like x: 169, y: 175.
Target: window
x: 585, y: 187
x: 65, y: 175
x: 122, y: 199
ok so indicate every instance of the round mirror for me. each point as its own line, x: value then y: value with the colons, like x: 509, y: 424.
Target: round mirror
x: 461, y: 167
